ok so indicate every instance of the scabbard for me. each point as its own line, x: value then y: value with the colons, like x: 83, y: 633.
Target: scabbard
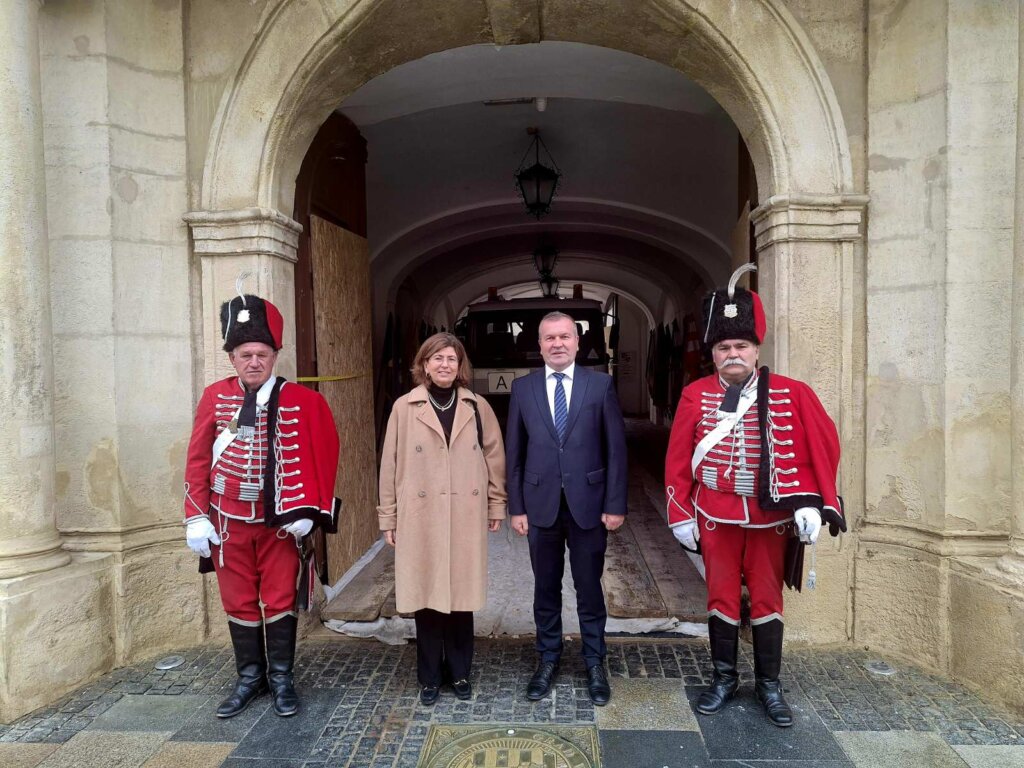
x: 793, y: 573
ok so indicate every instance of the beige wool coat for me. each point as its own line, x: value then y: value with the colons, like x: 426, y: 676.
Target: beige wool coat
x: 438, y: 499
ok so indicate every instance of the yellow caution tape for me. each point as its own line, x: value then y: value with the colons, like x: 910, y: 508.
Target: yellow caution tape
x: 329, y: 378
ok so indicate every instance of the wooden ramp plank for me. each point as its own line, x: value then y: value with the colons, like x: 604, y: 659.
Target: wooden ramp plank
x: 341, y: 302
x: 390, y: 609
x: 363, y: 598
x: 681, y: 587
x: 630, y: 590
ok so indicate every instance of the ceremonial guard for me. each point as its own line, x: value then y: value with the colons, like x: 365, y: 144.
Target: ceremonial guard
x: 751, y: 474
x: 259, y: 477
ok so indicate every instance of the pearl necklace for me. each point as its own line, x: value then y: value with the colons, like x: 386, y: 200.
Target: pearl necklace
x: 440, y: 407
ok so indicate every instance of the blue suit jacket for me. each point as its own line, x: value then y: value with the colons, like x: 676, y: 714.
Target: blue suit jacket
x: 590, y: 464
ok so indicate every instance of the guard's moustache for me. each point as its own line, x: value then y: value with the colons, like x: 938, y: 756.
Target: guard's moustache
x: 731, y: 361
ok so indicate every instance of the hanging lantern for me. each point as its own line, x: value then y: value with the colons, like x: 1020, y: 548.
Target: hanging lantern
x: 538, y: 182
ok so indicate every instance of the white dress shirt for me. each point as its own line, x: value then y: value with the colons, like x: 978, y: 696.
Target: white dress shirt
x: 551, y: 381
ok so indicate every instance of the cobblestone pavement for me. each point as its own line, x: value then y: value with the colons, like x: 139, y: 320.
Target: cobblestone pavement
x: 361, y: 709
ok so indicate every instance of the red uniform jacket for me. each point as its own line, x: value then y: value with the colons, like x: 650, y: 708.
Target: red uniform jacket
x: 782, y: 455
x: 297, y: 468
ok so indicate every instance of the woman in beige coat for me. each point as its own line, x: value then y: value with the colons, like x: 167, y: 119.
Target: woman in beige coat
x: 442, y: 487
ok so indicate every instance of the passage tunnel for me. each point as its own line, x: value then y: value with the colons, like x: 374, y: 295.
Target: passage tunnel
x: 414, y: 223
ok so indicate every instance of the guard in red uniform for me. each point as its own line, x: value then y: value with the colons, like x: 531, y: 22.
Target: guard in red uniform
x: 259, y: 477
x: 750, y: 473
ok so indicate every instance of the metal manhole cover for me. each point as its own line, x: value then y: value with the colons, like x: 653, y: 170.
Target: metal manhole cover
x: 170, y: 662
x: 879, y: 667
x: 514, y: 746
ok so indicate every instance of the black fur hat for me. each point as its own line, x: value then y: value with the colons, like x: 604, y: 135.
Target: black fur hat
x: 250, y: 318
x: 734, y: 313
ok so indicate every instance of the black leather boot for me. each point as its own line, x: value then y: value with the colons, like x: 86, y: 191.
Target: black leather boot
x: 725, y: 680
x: 280, y: 662
x: 767, y: 663
x: 251, y: 665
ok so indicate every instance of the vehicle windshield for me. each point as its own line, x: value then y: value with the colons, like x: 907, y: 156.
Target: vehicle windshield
x: 509, y: 338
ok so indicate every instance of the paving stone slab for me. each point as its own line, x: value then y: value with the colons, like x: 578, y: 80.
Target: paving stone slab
x: 106, y: 749
x: 290, y: 738
x: 653, y: 749
x: 741, y: 731
x: 992, y: 756
x: 149, y: 713
x: 24, y: 755
x: 181, y: 754
x: 905, y: 749
x: 204, y: 725
x: 647, y: 705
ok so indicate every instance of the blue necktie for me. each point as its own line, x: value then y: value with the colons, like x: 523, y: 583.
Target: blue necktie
x: 561, y: 411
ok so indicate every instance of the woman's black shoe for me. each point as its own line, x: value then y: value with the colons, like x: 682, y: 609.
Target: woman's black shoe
x: 429, y: 694
x: 463, y: 690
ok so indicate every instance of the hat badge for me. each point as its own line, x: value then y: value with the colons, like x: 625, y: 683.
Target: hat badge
x: 243, y: 316
x: 730, y: 310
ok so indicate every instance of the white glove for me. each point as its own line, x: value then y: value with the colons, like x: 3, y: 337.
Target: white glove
x: 808, y: 524
x: 199, y: 534
x: 686, y: 534
x: 299, y: 528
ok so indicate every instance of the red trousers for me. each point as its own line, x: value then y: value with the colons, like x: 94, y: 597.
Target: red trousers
x: 260, y: 564
x: 755, y: 555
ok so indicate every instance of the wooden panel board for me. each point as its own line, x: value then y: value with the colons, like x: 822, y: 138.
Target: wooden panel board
x: 390, y: 608
x: 341, y: 295
x: 363, y: 598
x: 629, y: 589
x: 681, y: 587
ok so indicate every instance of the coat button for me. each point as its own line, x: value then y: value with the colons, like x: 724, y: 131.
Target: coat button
x: 476, y: 491
x: 419, y: 449
x: 421, y: 494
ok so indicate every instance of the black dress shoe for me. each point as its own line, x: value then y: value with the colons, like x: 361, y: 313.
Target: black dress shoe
x: 463, y: 689
x: 597, y: 685
x: 429, y: 695
x: 540, y: 683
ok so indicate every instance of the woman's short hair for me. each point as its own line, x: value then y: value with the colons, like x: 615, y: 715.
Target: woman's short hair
x: 431, y: 347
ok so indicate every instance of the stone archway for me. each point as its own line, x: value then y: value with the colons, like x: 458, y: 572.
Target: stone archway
x: 759, y: 65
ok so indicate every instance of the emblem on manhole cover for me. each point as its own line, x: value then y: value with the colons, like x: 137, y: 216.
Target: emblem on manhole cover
x: 510, y: 747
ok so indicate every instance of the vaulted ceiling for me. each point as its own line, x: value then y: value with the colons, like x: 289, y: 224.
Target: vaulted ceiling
x: 648, y: 199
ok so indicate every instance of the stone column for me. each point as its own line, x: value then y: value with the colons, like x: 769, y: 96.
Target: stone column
x: 810, y: 277
x: 259, y: 241
x: 29, y: 542
x: 1013, y: 562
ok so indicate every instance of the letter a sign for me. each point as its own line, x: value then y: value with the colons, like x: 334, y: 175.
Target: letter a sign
x: 500, y: 382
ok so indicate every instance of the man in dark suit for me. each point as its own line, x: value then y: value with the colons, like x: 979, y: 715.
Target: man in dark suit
x: 566, y: 457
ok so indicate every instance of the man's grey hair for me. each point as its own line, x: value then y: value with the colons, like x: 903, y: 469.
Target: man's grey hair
x: 556, y: 315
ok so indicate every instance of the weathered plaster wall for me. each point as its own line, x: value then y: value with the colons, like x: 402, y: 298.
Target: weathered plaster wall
x: 112, y: 94
x: 216, y: 38
x: 837, y: 30
x: 942, y: 96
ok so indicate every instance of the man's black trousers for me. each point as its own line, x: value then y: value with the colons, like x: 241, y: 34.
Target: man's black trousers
x: 586, y: 558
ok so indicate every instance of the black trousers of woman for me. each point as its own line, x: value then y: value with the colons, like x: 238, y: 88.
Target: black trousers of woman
x: 443, y: 640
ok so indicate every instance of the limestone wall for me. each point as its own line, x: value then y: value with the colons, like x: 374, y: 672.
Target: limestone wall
x: 112, y: 94
x: 942, y: 96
